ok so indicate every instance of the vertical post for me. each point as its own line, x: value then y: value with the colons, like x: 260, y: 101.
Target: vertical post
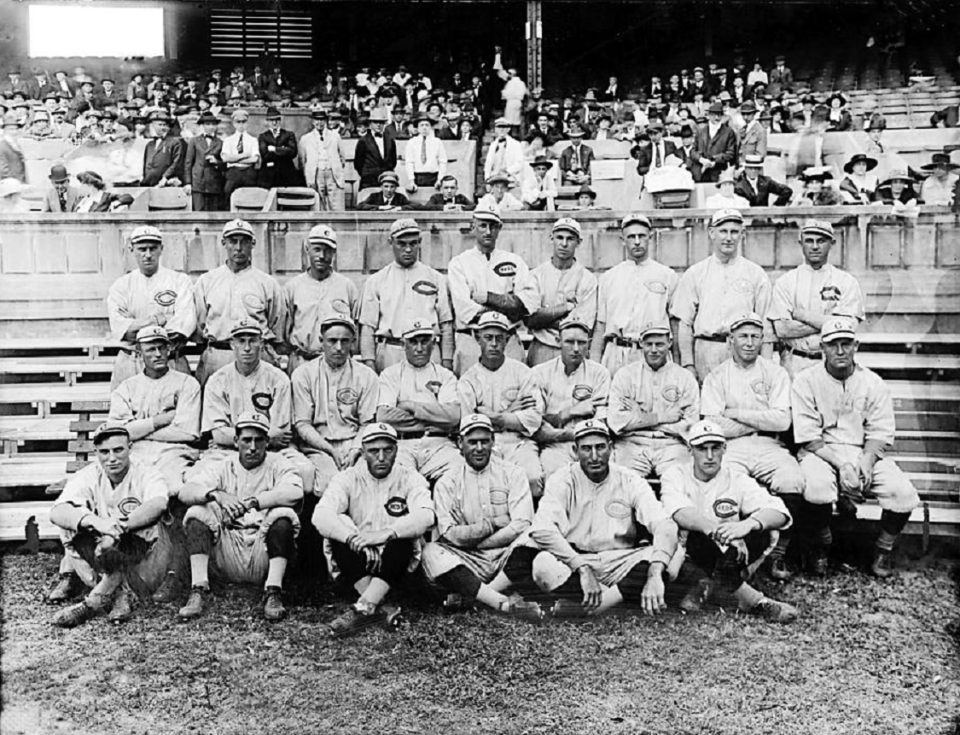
x: 534, y: 38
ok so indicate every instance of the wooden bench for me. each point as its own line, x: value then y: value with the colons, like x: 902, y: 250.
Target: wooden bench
x: 82, y: 446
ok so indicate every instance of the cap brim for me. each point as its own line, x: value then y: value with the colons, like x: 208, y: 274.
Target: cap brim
x: 846, y: 334
x: 708, y: 438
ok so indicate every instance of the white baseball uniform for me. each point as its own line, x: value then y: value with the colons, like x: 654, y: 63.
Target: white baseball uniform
x: 560, y: 392
x: 656, y: 391
x: 761, y: 394
x: 308, y: 303
x: 845, y: 414
x: 554, y: 287
x: 500, y: 493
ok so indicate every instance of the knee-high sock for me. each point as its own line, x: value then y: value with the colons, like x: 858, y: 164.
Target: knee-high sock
x: 373, y: 595
x: 199, y: 564
x: 891, y: 524
x: 747, y: 597
x: 275, y: 572
x: 107, y: 585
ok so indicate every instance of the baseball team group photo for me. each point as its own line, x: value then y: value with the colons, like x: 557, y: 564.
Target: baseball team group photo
x: 516, y: 367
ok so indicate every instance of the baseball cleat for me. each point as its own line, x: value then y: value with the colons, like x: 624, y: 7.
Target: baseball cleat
x: 774, y: 611
x: 517, y: 607
x: 122, y: 608
x: 455, y: 602
x: 71, y: 617
x: 818, y: 563
x: 67, y: 587
x: 777, y: 568
x: 393, y: 616
x: 696, y: 596
x: 195, y: 602
x: 566, y: 609
x: 273, y: 608
x: 169, y: 589
x: 882, y: 565
x: 353, y: 621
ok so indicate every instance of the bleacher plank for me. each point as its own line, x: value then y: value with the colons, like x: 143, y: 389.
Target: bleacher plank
x: 909, y: 339
x: 16, y: 473
x: 908, y: 361
x: 14, y: 518
x: 53, y: 393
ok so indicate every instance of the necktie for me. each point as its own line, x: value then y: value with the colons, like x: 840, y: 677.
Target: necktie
x: 63, y: 200
x: 423, y: 150
x: 576, y: 158
x: 657, y: 148
x: 240, y: 145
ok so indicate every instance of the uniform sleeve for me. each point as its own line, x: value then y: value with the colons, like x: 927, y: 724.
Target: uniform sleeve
x: 418, y: 496
x: 302, y: 392
x: 551, y: 524
x: 525, y: 287
x: 646, y: 507
x: 118, y: 309
x: 712, y: 400
x: 754, y: 498
x: 200, y: 304
x: 779, y: 399
x: 686, y: 300
x: 216, y: 405
x: 762, y: 298
x: 369, y: 393
x: 672, y: 282
x: 617, y: 416
x: 389, y: 388
x: 448, y: 389
x: 465, y: 308
x: 586, y: 308
x: 444, y: 499
x: 603, y: 286
x: 208, y: 476
x: 673, y: 494
x: 444, y: 308
x: 153, y: 486
x: 187, y: 416
x: 807, y: 422
x: 468, y: 394
x: 281, y: 411
x: 276, y: 311
x: 331, y: 516
x: 77, y: 491
x: 121, y: 411
x: 601, y: 394
x: 879, y: 421
x: 851, y: 301
x: 353, y: 299
x: 530, y: 418
x: 520, y: 499
x: 781, y: 302
x: 184, y: 319
x: 369, y: 312
x: 689, y: 396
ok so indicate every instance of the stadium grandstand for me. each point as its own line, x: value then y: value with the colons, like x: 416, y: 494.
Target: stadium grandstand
x: 845, y: 112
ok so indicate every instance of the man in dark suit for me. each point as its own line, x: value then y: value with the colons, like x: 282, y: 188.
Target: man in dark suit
x: 278, y: 151
x: 756, y: 188
x: 716, y: 145
x: 164, y: 155
x: 576, y: 158
x: 448, y: 199
x: 203, y: 169
x: 61, y: 196
x: 699, y: 84
x: 686, y: 151
x: 655, y: 154
x: 40, y: 87
x: 781, y: 77
x: 376, y: 152
x: 388, y: 199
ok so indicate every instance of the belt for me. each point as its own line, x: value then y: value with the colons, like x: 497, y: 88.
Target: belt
x: 386, y: 340
x: 622, y: 341
x: 218, y: 345
x: 712, y: 337
x: 804, y: 353
x: 418, y: 434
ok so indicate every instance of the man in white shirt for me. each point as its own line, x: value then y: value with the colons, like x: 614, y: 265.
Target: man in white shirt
x: 241, y: 154
x: 424, y: 157
x: 322, y: 162
x: 498, y: 197
x: 539, y: 186
x: 505, y: 153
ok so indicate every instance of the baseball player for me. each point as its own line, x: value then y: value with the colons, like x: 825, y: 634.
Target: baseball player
x: 725, y: 521
x: 563, y: 289
x: 504, y: 390
x: 804, y: 298
x: 250, y: 385
x: 588, y: 528
x: 151, y: 295
x: 317, y: 293
x: 573, y: 389
x: 634, y: 293
x: 748, y: 397
x: 485, y: 278
x: 242, y: 514
x: 234, y: 291
x: 333, y: 398
x: 419, y: 399
x: 372, y: 518
x: 843, y: 417
x: 399, y: 294
x: 714, y: 291
x: 108, y: 514
x: 652, y: 404
x: 160, y: 409
x: 483, y: 507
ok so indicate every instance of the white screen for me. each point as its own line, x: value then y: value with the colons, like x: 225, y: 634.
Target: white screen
x: 74, y: 30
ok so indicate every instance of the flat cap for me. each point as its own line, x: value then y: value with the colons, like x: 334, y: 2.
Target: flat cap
x: 246, y: 326
x: 418, y: 329
x: 337, y: 321
x: 487, y: 213
x: 651, y: 328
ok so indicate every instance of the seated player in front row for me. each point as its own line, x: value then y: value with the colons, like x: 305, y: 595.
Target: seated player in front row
x: 108, y: 514
x: 242, y: 514
x: 372, y: 517
x: 483, y: 507
x: 725, y: 521
x: 590, y: 530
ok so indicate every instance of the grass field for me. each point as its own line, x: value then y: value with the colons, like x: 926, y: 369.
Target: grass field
x: 866, y: 657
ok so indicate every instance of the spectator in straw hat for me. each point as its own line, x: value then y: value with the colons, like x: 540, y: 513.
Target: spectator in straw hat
x: 726, y: 196
x: 539, y: 186
x: 756, y: 188
x: 498, y: 196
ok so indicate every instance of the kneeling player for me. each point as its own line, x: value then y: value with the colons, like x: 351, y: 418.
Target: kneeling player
x: 108, y: 514
x: 242, y: 513
x: 590, y: 526
x: 727, y: 519
x: 483, y: 506
x: 372, y: 517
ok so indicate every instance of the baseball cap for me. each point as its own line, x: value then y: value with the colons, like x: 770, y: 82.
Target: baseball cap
x: 703, y: 432
x: 567, y: 223
x: 635, y: 218
x: 838, y: 328
x: 107, y: 430
x: 475, y: 421
x: 145, y: 233
x: 746, y: 318
x: 726, y: 215
x: 488, y: 213
x: 404, y: 226
x: 322, y: 234
x: 337, y: 321
x: 817, y: 227
x: 378, y: 430
x: 655, y: 328
x: 245, y: 326
x: 493, y: 319
x: 252, y: 420
x: 153, y: 333
x: 418, y: 328
x: 591, y: 426
x: 571, y: 322
x: 237, y: 227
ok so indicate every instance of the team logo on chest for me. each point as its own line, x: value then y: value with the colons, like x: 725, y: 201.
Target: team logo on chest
x: 725, y: 508
x: 742, y: 285
x: 505, y: 270
x: 761, y: 389
x: 829, y: 293
x: 340, y: 306
x: 656, y: 286
x: 396, y: 506
x: 499, y: 496
x: 347, y: 395
x: 127, y: 505
x: 434, y: 387
x: 263, y: 402
x: 670, y: 393
x: 165, y: 298
x: 425, y: 288
x: 510, y: 394
x: 253, y: 301
x: 582, y: 392
x: 618, y: 509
